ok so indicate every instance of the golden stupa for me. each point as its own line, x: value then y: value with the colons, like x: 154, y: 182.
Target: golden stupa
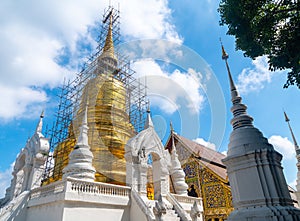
x: 108, y: 122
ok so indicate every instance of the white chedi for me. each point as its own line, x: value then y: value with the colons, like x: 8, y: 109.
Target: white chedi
x: 258, y: 186
x: 80, y: 159
x: 177, y: 174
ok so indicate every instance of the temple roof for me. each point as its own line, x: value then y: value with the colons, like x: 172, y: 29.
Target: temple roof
x: 208, y: 157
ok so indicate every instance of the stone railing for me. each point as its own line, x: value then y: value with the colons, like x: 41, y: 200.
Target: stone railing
x: 187, y: 199
x: 97, y: 188
x: 53, y: 188
x: 142, y: 205
x: 13, y: 207
x: 72, y: 185
x: 178, y: 208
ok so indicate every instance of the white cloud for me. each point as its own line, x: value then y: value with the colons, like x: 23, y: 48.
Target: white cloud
x: 148, y: 19
x: 254, y: 79
x: 169, y: 90
x: 19, y: 100
x: 283, y: 146
x: 224, y: 152
x: 293, y: 184
x: 205, y: 143
x: 161, y: 49
x: 5, y: 178
x: 33, y: 34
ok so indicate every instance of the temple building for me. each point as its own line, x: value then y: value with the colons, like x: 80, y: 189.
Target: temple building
x: 205, y: 173
x: 104, y: 158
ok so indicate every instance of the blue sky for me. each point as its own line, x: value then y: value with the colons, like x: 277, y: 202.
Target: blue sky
x: 43, y: 42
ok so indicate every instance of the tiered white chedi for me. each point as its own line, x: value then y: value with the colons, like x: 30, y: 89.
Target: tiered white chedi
x: 78, y: 197
x: 176, y: 172
x: 259, y: 189
x: 80, y: 160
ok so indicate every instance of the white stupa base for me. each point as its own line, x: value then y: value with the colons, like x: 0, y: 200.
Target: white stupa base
x: 278, y: 213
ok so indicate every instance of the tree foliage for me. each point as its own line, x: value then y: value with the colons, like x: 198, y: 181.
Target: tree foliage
x: 266, y: 27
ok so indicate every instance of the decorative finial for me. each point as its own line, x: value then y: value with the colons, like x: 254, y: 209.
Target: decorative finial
x: 233, y: 90
x: 240, y: 116
x: 171, y: 127
x: 293, y: 136
x: 225, y: 56
x: 42, y: 114
x: 39, y: 127
x: 286, y: 117
x: 149, y: 122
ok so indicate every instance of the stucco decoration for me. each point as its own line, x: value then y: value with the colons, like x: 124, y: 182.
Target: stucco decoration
x: 196, y: 212
x: 177, y: 174
x: 29, y: 165
x: 146, y: 150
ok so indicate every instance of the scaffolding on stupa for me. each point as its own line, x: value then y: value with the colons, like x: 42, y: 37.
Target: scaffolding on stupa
x: 63, y: 134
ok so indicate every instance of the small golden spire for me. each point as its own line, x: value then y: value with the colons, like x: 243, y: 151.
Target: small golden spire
x: 224, y: 54
x: 108, y: 49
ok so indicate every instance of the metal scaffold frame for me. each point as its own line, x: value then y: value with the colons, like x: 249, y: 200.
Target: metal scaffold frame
x: 71, y: 94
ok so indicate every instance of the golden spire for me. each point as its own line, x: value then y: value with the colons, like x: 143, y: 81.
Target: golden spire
x: 224, y: 54
x: 108, y: 49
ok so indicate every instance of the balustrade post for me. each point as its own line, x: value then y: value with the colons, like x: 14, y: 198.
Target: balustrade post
x: 69, y: 186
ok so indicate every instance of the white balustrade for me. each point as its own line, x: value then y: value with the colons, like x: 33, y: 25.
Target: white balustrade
x: 187, y: 199
x: 72, y: 185
x: 98, y: 188
x: 56, y: 187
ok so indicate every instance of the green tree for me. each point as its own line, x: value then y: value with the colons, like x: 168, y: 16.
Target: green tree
x: 266, y: 27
